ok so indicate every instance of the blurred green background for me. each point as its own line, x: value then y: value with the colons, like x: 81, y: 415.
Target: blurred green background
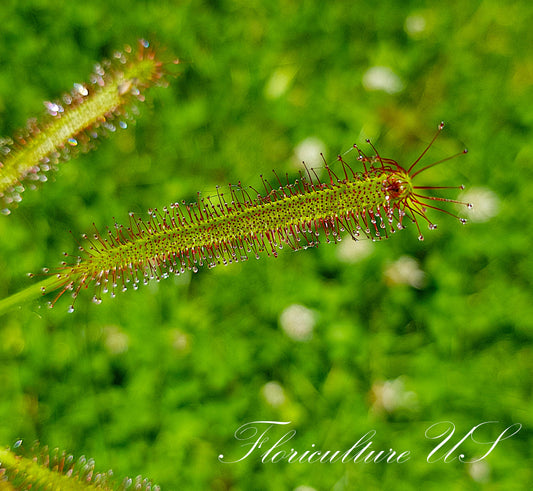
x: 340, y: 340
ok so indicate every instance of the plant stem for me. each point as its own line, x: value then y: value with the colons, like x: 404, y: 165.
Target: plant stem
x: 32, y: 292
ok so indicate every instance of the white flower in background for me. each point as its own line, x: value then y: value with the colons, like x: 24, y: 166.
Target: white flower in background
x: 180, y: 341
x: 273, y: 394
x: 115, y: 340
x: 405, y: 271
x: 350, y: 251
x: 391, y: 396
x: 486, y: 204
x: 382, y: 78
x: 479, y: 471
x: 298, y: 322
x: 415, y: 25
x: 308, y: 151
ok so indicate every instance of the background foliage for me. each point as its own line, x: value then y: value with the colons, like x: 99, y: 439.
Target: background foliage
x: 156, y: 381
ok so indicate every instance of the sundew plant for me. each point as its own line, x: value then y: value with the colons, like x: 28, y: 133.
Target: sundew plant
x: 370, y: 204
x: 136, y: 200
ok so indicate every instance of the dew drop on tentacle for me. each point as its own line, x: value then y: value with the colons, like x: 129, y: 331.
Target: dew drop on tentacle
x: 80, y: 89
x: 52, y: 108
